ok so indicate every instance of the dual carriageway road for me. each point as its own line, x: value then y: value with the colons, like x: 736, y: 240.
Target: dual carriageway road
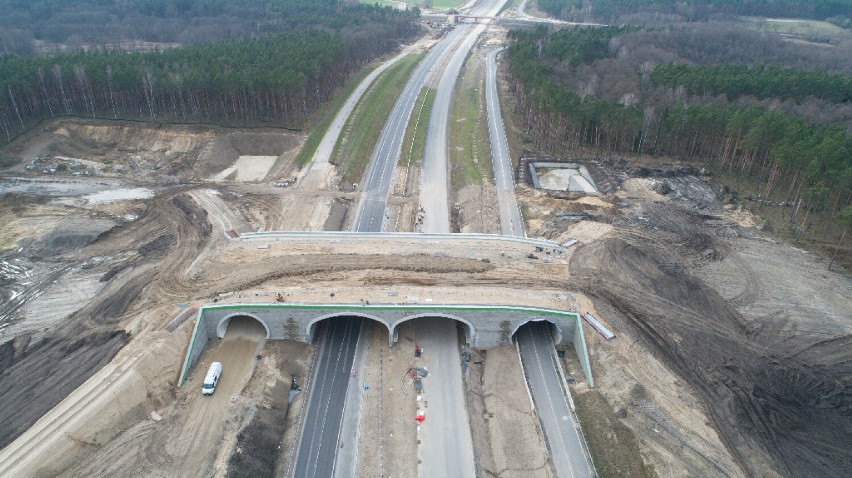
x: 446, y: 446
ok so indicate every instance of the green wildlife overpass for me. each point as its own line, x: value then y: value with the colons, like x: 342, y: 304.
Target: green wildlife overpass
x: 484, y: 325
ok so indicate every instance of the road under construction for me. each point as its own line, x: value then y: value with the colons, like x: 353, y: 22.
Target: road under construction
x: 393, y: 341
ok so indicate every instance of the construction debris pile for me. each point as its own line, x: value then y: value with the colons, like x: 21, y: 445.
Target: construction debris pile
x: 417, y: 374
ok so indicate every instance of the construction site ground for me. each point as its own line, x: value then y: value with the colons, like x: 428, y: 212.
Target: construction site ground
x: 732, y: 356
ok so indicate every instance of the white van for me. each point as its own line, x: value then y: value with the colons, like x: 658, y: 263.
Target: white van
x: 212, y: 378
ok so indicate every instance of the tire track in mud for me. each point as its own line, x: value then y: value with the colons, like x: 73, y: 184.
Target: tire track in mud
x: 771, y: 410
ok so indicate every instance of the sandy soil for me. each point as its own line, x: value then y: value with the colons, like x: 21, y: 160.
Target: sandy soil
x: 505, y: 430
x: 267, y: 413
x: 151, y: 153
x: 388, y: 437
x: 248, y: 168
x: 731, y: 359
x: 736, y: 375
x: 718, y: 328
x: 118, y: 395
x: 477, y: 209
x: 184, y: 438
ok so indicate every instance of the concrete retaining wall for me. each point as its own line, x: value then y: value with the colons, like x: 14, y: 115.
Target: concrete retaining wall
x: 485, y: 326
x: 579, y: 341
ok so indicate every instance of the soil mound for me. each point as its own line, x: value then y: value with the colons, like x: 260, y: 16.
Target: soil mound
x: 765, y: 401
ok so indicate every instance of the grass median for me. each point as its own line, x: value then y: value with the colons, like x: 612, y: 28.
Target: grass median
x: 415, y: 134
x: 355, y: 146
x: 327, y: 116
x: 470, y: 153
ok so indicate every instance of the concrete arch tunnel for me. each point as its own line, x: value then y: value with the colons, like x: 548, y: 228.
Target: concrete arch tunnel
x: 484, y: 325
x: 310, y: 331
x: 392, y: 327
x: 225, y: 322
x: 555, y: 330
x: 470, y: 330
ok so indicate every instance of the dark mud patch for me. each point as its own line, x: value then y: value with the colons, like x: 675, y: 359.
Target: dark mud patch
x: 36, y: 376
x: 195, y: 213
x: 158, y: 247
x: 338, y: 215
x: 257, y: 448
x: 114, y: 305
x: 114, y: 271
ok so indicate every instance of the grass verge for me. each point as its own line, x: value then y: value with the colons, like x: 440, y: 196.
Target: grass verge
x: 506, y: 6
x: 320, y: 127
x: 470, y: 153
x: 354, y: 148
x: 415, y: 134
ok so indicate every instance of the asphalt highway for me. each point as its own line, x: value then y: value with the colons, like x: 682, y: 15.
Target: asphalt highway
x: 433, y: 178
x: 320, y: 439
x: 511, y: 222
x: 370, y: 214
x: 560, y: 424
x: 319, y: 443
x: 446, y: 447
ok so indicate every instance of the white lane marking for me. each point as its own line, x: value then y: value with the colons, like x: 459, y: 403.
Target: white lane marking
x: 549, y: 399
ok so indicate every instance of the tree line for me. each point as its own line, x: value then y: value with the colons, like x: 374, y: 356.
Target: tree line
x: 279, y: 79
x: 761, y: 81
x: 698, y: 10
x: 772, y: 154
x: 74, y: 24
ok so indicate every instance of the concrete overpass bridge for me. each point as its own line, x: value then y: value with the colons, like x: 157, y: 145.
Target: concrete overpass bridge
x: 484, y: 325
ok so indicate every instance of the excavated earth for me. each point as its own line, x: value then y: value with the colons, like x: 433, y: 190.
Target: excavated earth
x: 760, y: 331
x: 733, y: 357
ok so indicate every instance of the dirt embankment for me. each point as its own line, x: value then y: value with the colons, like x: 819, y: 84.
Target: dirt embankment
x: 258, y: 446
x: 775, y: 404
x: 172, y: 154
x: 34, y: 377
x: 734, y: 348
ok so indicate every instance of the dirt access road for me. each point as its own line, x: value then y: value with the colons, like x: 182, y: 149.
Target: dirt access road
x: 188, y: 440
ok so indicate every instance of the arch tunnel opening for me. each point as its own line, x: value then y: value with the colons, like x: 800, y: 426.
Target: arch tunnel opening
x: 426, y: 322
x: 533, y: 326
x: 320, y: 325
x: 317, y: 327
x: 242, y: 325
